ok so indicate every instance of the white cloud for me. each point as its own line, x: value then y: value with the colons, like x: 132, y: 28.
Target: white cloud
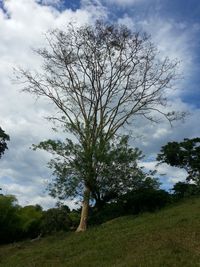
x: 175, y: 40
x: 32, y: 195
x: 125, y: 2
x: 170, y: 175
x: 95, y: 8
x: 50, y: 2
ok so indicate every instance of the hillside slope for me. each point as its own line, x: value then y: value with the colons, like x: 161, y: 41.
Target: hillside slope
x: 170, y: 237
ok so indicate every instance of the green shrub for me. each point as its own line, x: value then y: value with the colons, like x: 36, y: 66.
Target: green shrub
x: 144, y: 200
x: 74, y: 216
x: 9, y: 219
x: 133, y: 202
x: 108, y: 212
x: 55, y: 219
x: 184, y: 189
x: 30, y: 217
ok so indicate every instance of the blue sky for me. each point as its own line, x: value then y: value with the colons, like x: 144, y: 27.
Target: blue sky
x: 175, y: 29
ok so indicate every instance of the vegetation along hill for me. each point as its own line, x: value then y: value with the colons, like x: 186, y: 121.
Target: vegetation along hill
x: 170, y: 237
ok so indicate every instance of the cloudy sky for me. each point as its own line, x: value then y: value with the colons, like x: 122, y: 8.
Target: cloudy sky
x: 175, y: 29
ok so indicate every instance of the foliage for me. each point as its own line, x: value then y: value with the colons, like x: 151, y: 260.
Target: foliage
x: 74, y: 217
x: 185, y: 154
x: 18, y: 223
x: 3, y: 139
x: 9, y: 219
x: 143, y: 199
x: 183, y: 189
x: 55, y: 219
x: 30, y: 218
x: 108, y: 212
x: 116, y: 169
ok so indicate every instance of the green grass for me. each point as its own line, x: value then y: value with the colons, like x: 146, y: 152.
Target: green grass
x: 170, y: 237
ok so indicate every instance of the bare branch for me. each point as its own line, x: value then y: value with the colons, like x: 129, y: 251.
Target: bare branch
x: 99, y: 77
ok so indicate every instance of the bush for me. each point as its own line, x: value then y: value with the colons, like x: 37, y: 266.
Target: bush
x: 54, y: 220
x: 30, y: 217
x: 144, y: 200
x: 9, y: 219
x: 74, y: 216
x: 134, y: 202
x: 183, y: 189
x: 108, y: 212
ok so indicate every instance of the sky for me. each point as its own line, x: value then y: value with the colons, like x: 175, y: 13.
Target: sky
x: 175, y: 29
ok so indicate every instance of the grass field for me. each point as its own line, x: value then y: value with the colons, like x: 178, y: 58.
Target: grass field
x: 168, y: 238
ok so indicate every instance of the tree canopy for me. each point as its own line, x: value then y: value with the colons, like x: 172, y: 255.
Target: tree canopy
x: 185, y: 154
x: 3, y: 141
x: 116, y: 170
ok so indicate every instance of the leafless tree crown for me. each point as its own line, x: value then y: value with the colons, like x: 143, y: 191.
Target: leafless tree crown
x: 100, y: 77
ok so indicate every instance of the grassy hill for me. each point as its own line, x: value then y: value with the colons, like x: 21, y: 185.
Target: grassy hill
x: 170, y: 237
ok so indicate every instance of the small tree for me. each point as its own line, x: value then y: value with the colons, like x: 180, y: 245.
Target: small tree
x: 3, y: 138
x: 183, y: 189
x: 116, y: 170
x: 100, y: 78
x: 55, y: 219
x: 185, y: 154
x: 30, y: 220
x: 9, y: 219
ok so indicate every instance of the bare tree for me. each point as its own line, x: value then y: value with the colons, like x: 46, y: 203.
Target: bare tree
x: 100, y: 78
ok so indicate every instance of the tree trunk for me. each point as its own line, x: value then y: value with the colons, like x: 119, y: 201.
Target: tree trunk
x: 84, y: 212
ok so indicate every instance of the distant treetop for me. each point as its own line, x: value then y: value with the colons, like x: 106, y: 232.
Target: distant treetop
x: 3, y: 138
